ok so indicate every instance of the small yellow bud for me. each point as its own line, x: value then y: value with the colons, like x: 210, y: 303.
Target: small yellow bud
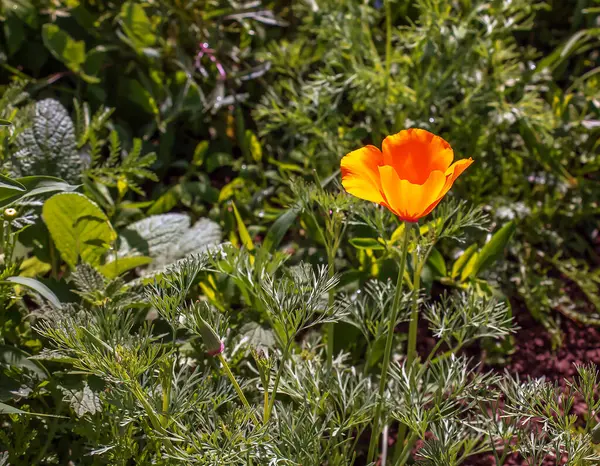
x: 10, y: 213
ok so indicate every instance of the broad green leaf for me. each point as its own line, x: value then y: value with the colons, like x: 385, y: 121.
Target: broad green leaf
x: 4, y: 122
x: 38, y: 287
x: 153, y: 235
x: 280, y: 228
x: 494, y: 248
x: 167, y: 238
x: 48, y: 146
x: 242, y: 230
x: 137, y: 26
x: 78, y: 228
x: 124, y: 264
x: 366, y: 243
x: 462, y: 260
x: 64, y: 48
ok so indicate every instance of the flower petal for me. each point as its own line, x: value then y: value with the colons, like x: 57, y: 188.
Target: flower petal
x: 452, y: 173
x: 407, y: 200
x: 360, y: 176
x: 415, y: 153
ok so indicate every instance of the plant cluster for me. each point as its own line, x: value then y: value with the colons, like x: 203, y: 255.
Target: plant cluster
x: 185, y: 277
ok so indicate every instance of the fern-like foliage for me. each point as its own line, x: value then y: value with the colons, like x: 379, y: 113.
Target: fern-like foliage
x: 120, y: 169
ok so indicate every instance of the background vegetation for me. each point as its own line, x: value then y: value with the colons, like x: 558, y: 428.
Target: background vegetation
x: 170, y: 181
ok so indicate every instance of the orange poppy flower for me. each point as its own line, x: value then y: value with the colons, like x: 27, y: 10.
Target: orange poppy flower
x: 410, y: 177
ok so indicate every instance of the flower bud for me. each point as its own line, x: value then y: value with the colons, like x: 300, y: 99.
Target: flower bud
x: 213, y: 343
x: 10, y: 213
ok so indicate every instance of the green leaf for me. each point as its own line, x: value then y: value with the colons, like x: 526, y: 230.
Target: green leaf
x: 137, y: 26
x: 38, y: 287
x: 138, y: 94
x: 14, y: 33
x: 16, y: 357
x: 48, y: 146
x: 200, y: 153
x: 4, y: 122
x: 153, y: 235
x: 64, y: 48
x: 242, y: 230
x: 78, y: 228
x: 280, y: 228
x: 494, y: 248
x: 10, y: 187
x: 230, y: 189
x: 437, y: 262
x: 84, y: 401
x: 467, y: 270
x: 256, y: 336
x: 25, y: 10
x: 36, y: 186
x: 124, y: 264
x: 253, y: 145
x: 6, y: 409
x: 366, y: 243
x: 462, y: 260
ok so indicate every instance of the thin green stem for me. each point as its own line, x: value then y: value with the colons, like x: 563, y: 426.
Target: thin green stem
x: 267, y: 414
x: 434, y: 350
x: 414, y: 315
x: 266, y: 403
x: 406, y: 450
x: 330, y: 326
x: 237, y: 387
x: 388, y: 44
x: 388, y: 346
x: 448, y: 353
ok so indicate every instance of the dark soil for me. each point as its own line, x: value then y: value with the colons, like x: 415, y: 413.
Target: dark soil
x: 534, y: 357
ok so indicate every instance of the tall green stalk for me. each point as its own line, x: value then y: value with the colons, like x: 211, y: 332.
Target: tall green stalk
x: 237, y: 387
x: 388, y: 345
x: 330, y: 326
x: 414, y: 315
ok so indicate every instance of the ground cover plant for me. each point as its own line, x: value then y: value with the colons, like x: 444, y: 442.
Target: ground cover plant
x: 310, y: 233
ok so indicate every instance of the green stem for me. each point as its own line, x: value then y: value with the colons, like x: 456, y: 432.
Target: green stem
x: 237, y: 387
x: 414, y: 315
x: 388, y: 43
x: 266, y: 402
x: 276, y: 384
x: 412, y: 342
x: 330, y: 326
x: 388, y: 346
x: 434, y: 350
x: 406, y: 450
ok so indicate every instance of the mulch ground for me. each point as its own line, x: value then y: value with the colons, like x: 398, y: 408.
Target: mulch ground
x: 534, y: 357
